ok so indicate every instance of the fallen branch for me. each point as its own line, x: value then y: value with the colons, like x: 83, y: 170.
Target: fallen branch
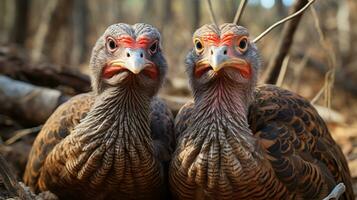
x: 28, y: 103
x: 21, y: 133
x: 15, y: 64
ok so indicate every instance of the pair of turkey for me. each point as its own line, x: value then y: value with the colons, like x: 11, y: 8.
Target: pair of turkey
x: 234, y: 141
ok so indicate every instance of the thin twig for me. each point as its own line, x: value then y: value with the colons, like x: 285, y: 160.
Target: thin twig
x: 211, y: 14
x: 318, y: 95
x: 297, y: 71
x: 282, y: 73
x: 21, y: 133
x: 330, y: 75
x: 239, y: 12
x: 283, y: 21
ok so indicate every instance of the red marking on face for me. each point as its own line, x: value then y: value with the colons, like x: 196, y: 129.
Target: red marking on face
x: 211, y: 38
x: 129, y: 42
x: 110, y: 70
x: 214, y: 39
x: 201, y: 69
x: 152, y: 72
x: 227, y: 39
x: 245, y: 70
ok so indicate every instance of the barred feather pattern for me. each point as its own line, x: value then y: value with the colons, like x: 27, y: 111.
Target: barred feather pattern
x: 217, y: 156
x: 110, y: 147
x: 223, y: 154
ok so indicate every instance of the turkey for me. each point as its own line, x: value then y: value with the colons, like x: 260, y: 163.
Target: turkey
x: 113, y: 142
x: 240, y: 141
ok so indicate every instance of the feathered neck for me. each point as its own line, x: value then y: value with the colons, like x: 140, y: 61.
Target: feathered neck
x: 224, y: 99
x: 222, y: 108
x: 116, y: 130
x: 218, y: 133
x: 118, y: 113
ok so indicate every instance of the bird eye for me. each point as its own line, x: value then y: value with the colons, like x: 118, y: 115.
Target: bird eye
x: 198, y: 46
x: 243, y: 44
x: 111, y: 44
x: 153, y: 48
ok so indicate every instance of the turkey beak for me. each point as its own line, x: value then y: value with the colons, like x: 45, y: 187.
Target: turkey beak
x: 135, y: 60
x: 218, y: 57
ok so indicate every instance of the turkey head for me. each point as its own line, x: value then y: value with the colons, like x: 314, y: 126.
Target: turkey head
x: 128, y: 56
x: 223, y: 56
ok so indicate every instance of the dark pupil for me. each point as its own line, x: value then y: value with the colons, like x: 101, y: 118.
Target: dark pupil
x: 198, y: 45
x: 242, y: 44
x: 112, y: 44
x: 153, y: 47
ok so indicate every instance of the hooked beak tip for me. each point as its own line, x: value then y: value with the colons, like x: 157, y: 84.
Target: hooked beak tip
x: 135, y: 71
x: 216, y: 68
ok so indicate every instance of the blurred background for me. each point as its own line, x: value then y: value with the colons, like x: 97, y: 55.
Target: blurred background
x: 45, y: 47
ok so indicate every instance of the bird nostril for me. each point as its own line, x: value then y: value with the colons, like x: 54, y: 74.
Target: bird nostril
x: 225, y: 52
x: 211, y: 52
x: 141, y: 55
x: 128, y: 54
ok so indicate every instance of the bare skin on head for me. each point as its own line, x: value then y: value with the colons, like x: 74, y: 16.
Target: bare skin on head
x: 240, y: 141
x: 114, y: 142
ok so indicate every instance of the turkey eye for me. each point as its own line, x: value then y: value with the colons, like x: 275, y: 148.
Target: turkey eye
x: 111, y: 44
x: 198, y: 46
x: 243, y: 44
x: 153, y: 47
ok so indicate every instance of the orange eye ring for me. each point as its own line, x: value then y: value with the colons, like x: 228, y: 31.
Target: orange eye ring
x: 198, y: 45
x: 242, y: 44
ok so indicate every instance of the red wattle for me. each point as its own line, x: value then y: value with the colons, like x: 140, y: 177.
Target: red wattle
x: 110, y: 71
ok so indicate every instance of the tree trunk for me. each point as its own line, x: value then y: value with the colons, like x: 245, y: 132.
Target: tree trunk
x: 19, y: 30
x: 272, y: 72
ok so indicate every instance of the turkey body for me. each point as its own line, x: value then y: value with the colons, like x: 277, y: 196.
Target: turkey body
x: 279, y: 148
x: 112, y: 146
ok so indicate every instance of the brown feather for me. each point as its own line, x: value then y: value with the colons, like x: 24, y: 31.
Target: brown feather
x: 57, y: 127
x: 62, y: 123
x: 295, y: 156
